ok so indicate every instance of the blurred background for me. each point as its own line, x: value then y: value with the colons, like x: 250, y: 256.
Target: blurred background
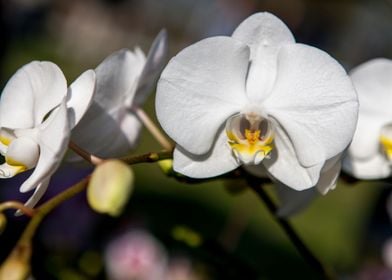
x: 200, y: 231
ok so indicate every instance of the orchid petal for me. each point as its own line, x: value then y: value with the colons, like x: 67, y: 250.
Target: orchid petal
x: 219, y: 161
x: 376, y: 167
x: 117, y: 78
x: 79, y: 96
x: 292, y: 201
x: 121, y: 123
x: 314, y: 101
x: 372, y: 81
x: 155, y: 62
x: 284, y: 166
x: 264, y: 33
x: 38, y: 193
x: 32, y: 92
x: 53, y: 139
x: 199, y: 89
x: 366, y: 140
x: 329, y: 174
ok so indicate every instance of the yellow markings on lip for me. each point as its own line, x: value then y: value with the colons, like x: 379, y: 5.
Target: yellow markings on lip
x: 16, y: 165
x: 387, y: 146
x: 5, y: 140
x: 250, y: 137
x: 250, y: 147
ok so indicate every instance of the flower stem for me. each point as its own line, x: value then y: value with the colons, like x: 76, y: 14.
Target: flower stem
x: 41, y: 212
x: 94, y: 160
x: 148, y: 157
x: 17, y: 205
x: 152, y: 128
x: 296, y: 240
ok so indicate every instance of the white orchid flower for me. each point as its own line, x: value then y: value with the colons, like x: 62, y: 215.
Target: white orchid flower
x: 37, y: 113
x: 257, y: 97
x: 124, y: 80
x: 370, y: 153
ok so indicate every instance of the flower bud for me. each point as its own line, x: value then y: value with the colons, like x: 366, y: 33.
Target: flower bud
x: 166, y: 166
x: 110, y: 187
x: 17, y: 265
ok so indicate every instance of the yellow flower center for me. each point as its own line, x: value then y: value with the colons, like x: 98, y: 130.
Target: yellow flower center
x: 250, y: 137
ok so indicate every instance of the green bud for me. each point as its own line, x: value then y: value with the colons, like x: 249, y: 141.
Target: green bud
x: 16, y: 266
x: 166, y: 166
x: 3, y: 222
x: 110, y: 187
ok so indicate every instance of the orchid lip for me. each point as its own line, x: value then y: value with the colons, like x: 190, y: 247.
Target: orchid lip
x: 250, y: 137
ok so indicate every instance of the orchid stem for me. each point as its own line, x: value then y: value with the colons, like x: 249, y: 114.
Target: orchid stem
x: 148, y: 157
x: 152, y: 128
x: 41, y: 212
x: 94, y: 160
x: 296, y: 240
x: 17, y: 205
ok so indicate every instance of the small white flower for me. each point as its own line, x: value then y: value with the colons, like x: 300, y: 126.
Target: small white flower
x: 37, y: 113
x: 258, y: 97
x: 370, y: 153
x: 124, y: 80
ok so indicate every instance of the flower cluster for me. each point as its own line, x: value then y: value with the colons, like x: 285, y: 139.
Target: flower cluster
x: 255, y: 99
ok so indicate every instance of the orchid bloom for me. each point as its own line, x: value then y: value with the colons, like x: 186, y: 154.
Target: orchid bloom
x: 124, y: 81
x: 258, y: 97
x: 370, y: 153
x: 37, y: 113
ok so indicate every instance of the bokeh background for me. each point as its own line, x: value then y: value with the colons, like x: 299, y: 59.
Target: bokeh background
x: 204, y: 230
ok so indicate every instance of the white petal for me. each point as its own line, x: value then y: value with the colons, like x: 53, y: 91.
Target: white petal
x: 53, y: 140
x: 117, y: 78
x: 38, y: 193
x: 292, y: 201
x: 330, y: 174
x: 264, y: 33
x: 96, y: 130
x: 314, y: 101
x: 219, y: 161
x: 366, y: 141
x: 199, y: 89
x: 30, y: 94
x: 376, y: 167
x: 155, y: 62
x: 284, y: 166
x: 373, y: 83
x: 79, y: 96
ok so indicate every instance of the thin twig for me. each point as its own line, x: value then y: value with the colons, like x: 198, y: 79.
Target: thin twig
x: 152, y: 128
x: 18, y: 206
x: 84, y: 154
x: 296, y: 240
x: 148, y: 157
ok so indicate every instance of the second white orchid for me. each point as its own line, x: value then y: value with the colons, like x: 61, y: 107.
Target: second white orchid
x: 258, y: 97
x: 37, y: 112
x: 370, y: 153
x: 125, y: 79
